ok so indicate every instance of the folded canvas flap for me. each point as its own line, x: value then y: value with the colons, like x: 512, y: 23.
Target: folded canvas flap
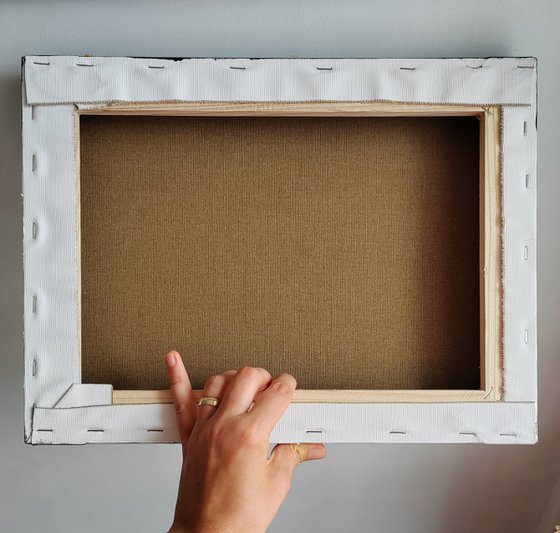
x: 65, y: 79
x: 86, y: 395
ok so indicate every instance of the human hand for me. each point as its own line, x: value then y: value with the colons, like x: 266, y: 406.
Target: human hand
x: 228, y: 483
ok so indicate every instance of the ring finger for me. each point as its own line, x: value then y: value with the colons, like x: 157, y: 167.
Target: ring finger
x: 214, y: 387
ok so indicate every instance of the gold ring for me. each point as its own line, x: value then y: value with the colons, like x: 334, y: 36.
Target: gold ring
x: 209, y: 400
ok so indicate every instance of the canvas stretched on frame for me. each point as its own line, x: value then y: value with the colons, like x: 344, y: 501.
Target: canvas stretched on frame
x: 59, y: 408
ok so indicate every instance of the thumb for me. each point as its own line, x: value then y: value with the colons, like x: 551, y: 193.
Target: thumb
x: 286, y: 457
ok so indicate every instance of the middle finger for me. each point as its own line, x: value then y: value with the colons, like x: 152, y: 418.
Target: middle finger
x: 243, y: 388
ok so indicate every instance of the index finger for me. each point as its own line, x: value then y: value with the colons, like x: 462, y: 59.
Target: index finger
x: 271, y: 404
x: 182, y: 394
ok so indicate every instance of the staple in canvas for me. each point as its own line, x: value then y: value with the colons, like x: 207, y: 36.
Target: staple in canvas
x: 95, y: 430
x: 508, y: 434
x: 34, y: 304
x: 35, y: 229
x: 34, y: 367
x: 157, y: 66
x: 525, y: 252
x: 324, y: 68
x: 154, y: 430
x: 84, y: 64
x: 42, y: 62
x: 237, y: 68
x: 468, y: 433
x: 407, y: 68
x: 33, y: 112
x: 526, y: 66
x: 488, y: 393
x: 397, y: 432
x: 524, y: 127
x: 320, y: 431
x: 474, y: 68
x: 34, y: 162
x: 526, y: 181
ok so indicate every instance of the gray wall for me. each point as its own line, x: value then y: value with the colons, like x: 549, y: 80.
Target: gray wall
x: 385, y: 488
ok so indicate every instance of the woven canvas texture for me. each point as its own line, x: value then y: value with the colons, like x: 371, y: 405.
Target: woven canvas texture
x: 342, y: 250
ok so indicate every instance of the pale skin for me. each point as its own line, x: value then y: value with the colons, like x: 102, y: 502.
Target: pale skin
x: 228, y: 482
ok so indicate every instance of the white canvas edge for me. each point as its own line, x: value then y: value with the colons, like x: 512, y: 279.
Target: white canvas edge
x: 51, y: 314
x: 72, y: 79
x: 490, y: 423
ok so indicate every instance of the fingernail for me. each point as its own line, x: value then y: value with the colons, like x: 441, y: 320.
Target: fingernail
x: 171, y: 359
x: 316, y: 453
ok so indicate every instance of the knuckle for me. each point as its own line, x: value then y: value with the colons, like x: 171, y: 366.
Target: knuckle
x: 289, y: 378
x: 180, y: 407
x: 264, y: 372
x: 297, y: 451
x: 175, y: 380
x: 281, y: 388
x: 248, y: 372
x: 211, y: 380
x: 214, y: 434
x: 250, y: 436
